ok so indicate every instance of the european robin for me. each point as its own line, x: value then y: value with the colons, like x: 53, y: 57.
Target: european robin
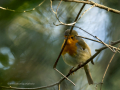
x: 76, y: 52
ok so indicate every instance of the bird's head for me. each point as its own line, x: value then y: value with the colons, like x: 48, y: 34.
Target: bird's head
x: 71, y: 37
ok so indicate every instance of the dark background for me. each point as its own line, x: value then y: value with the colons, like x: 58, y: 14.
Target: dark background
x: 30, y: 44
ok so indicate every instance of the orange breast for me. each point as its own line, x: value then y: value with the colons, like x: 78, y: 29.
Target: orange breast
x: 70, y: 47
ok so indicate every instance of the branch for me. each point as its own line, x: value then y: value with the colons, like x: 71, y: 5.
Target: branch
x: 36, y: 88
x: 93, y: 3
x: 22, y: 11
x: 92, y: 57
x: 100, y: 42
x: 73, y: 23
x: 108, y: 67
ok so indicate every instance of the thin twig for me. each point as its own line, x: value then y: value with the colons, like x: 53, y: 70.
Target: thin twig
x: 64, y: 76
x: 96, y: 38
x: 77, y: 16
x: 22, y: 11
x: 96, y: 5
x: 100, y: 42
x: 58, y: 86
x: 89, y: 39
x: 30, y: 88
x: 52, y: 8
x: 108, y: 67
x: 69, y: 24
x: 104, y: 43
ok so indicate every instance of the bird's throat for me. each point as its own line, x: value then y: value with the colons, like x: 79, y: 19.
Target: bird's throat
x: 70, y: 47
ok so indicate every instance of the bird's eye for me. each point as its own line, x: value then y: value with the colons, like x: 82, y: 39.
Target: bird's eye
x: 71, y: 37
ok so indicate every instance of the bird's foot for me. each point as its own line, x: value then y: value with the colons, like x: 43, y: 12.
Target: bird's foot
x: 79, y: 65
x: 71, y: 71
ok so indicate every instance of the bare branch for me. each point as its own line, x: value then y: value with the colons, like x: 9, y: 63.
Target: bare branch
x: 64, y: 76
x: 108, y: 67
x: 89, y: 39
x: 58, y: 86
x: 22, y: 11
x: 36, y: 88
x: 96, y: 38
x: 104, y: 43
x: 96, y: 5
x: 100, y: 42
x: 69, y: 24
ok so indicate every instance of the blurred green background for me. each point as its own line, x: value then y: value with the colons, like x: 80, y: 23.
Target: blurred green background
x: 30, y: 44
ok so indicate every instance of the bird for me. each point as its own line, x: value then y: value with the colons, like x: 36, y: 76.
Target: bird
x: 76, y: 52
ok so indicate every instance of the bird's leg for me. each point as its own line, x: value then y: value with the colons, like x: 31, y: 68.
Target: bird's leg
x: 71, y: 70
x: 79, y: 65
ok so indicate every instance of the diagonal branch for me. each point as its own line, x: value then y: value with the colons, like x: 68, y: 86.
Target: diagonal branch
x: 98, y: 51
x: 22, y: 11
x: 93, y: 3
x: 100, y: 42
x: 36, y: 88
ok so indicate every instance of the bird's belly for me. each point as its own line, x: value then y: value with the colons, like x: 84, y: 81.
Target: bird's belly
x: 72, y: 61
x: 76, y: 60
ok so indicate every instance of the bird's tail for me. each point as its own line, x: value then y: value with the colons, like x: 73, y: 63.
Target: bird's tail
x: 88, y: 74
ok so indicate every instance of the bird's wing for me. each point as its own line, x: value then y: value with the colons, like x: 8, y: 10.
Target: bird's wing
x: 84, y: 46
